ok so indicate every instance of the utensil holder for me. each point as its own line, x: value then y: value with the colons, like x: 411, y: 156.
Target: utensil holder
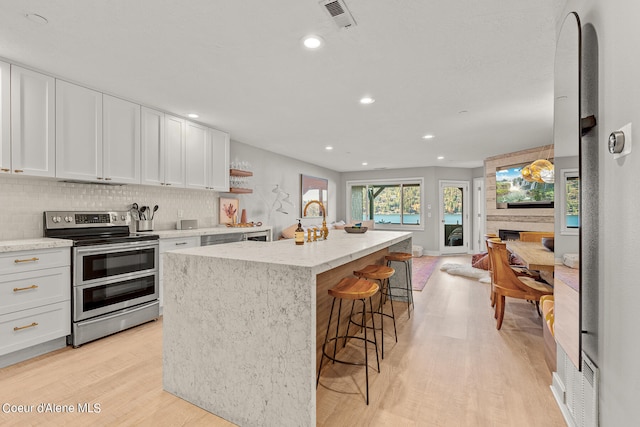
x: 144, y: 225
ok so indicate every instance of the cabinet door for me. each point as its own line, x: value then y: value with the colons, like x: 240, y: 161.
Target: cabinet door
x: 121, y: 140
x: 5, y: 116
x: 152, y: 163
x: 78, y: 132
x: 219, y: 158
x: 32, y: 123
x: 197, y: 147
x: 174, y: 151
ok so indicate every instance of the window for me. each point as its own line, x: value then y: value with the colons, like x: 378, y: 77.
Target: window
x: 570, y: 213
x: 391, y: 204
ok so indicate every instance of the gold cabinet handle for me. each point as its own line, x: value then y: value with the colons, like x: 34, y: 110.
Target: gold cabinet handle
x: 18, y: 170
x: 25, y: 289
x: 5, y: 170
x: 34, y: 259
x: 18, y: 328
x: 107, y: 179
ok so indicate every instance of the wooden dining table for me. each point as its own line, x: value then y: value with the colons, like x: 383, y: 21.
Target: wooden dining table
x: 533, y: 254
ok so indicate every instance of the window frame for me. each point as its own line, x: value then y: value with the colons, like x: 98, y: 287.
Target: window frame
x: 565, y: 175
x: 393, y: 181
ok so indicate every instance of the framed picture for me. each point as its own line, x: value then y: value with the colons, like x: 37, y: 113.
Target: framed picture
x: 228, y: 210
x: 313, y: 188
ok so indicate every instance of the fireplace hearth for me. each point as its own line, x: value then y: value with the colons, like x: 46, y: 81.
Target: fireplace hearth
x: 509, y: 234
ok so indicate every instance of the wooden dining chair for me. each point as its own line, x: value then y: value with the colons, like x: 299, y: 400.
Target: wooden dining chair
x: 517, y: 269
x: 492, y: 295
x: 507, y: 284
x: 534, y: 236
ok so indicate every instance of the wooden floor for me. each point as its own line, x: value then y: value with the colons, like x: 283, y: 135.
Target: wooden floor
x: 450, y: 367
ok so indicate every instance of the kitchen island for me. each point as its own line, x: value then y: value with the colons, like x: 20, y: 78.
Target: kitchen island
x: 240, y: 329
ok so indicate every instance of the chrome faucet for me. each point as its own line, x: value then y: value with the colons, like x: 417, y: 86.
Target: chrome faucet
x: 325, y: 230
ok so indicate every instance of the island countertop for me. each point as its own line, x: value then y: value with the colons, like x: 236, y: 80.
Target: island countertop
x: 340, y: 248
x: 240, y: 328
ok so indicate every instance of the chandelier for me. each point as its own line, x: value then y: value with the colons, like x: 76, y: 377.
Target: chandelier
x: 539, y: 171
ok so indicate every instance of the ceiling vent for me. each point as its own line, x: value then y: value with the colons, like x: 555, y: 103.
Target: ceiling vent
x: 338, y: 10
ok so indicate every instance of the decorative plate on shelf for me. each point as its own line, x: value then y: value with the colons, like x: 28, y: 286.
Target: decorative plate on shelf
x: 356, y: 229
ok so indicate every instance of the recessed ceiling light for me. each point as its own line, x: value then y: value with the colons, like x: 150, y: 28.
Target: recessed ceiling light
x: 193, y: 115
x: 364, y: 163
x: 440, y: 157
x: 312, y: 42
x: 427, y: 136
x: 367, y: 100
x: 328, y: 148
x: 38, y: 19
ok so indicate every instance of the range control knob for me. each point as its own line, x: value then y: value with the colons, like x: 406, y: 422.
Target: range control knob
x: 114, y: 218
x: 123, y: 217
x: 56, y: 219
x: 68, y: 218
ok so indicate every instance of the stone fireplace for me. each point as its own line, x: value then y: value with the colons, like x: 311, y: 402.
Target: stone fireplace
x: 512, y: 219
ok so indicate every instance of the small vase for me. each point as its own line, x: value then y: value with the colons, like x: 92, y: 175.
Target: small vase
x: 243, y: 217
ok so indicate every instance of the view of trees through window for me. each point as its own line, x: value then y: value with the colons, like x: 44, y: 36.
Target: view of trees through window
x: 572, y: 197
x: 387, y: 203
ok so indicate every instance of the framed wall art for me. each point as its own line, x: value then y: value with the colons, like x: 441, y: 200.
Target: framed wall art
x: 228, y: 210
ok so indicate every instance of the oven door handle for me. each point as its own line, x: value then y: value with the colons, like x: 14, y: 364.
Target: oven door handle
x: 105, y: 249
x: 117, y: 313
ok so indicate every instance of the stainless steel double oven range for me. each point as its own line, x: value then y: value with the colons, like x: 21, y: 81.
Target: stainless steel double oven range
x: 114, y: 278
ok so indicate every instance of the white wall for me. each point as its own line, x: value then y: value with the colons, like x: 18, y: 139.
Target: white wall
x: 617, y: 94
x: 270, y: 169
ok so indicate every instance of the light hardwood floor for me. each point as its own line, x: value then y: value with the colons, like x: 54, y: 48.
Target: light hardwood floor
x: 450, y: 367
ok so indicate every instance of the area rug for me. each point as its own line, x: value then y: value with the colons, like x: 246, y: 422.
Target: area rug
x: 467, y: 271
x: 422, y: 268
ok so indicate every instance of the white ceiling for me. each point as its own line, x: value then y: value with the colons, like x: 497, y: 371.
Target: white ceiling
x: 476, y: 74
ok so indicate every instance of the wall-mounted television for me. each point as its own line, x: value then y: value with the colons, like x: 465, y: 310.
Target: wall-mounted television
x: 513, y: 191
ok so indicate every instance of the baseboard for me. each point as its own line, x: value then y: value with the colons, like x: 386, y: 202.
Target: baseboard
x: 557, y: 389
x: 31, y: 352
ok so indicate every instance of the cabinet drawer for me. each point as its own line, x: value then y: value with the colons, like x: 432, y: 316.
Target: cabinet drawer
x: 31, y: 327
x: 30, y: 289
x: 179, y: 243
x: 14, y: 262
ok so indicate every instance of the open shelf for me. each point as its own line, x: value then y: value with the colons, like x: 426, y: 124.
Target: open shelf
x: 237, y: 190
x: 239, y: 172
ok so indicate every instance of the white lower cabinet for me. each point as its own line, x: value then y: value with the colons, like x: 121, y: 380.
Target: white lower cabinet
x: 35, y: 298
x: 171, y: 245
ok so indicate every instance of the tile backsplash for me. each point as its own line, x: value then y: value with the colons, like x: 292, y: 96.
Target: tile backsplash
x: 24, y: 199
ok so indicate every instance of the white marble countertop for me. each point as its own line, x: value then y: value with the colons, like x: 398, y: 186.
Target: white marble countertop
x: 322, y: 255
x: 33, y: 244
x: 47, y: 243
x: 170, y: 234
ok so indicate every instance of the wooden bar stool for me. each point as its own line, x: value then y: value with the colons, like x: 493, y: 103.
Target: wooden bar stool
x: 406, y: 259
x: 351, y: 288
x: 381, y: 273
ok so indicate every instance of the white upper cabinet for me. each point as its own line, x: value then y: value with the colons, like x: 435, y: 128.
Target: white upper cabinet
x: 197, y: 149
x: 174, y: 145
x: 78, y: 132
x: 219, y: 160
x: 121, y: 140
x: 152, y: 133
x: 33, y: 145
x: 5, y: 117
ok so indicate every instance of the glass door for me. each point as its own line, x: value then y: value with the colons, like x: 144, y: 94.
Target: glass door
x: 454, y: 232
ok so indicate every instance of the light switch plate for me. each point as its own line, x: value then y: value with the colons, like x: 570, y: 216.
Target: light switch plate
x: 626, y: 129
